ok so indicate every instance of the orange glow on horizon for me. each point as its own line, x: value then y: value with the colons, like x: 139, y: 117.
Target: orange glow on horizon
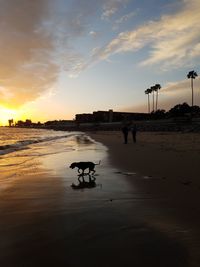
x: 8, y: 114
x: 32, y: 112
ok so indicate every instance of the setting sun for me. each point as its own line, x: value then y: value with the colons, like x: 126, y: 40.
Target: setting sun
x: 7, y: 114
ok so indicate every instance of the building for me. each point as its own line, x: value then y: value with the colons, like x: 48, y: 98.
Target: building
x: 110, y: 116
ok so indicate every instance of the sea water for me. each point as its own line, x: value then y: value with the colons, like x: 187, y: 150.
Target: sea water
x: 36, y: 152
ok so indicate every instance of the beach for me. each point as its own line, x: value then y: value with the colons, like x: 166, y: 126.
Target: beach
x: 139, y: 211
x: 166, y: 165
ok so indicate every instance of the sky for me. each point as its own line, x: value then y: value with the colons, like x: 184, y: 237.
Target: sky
x: 64, y: 57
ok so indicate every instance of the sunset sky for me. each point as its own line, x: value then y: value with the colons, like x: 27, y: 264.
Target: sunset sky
x: 62, y: 57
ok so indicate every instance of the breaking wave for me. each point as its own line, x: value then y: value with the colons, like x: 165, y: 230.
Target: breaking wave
x: 24, y: 144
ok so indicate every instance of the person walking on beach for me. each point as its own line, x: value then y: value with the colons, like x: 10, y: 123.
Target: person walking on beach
x: 134, y: 132
x: 125, y: 133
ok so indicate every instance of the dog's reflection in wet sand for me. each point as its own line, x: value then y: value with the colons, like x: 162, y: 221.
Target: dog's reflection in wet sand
x: 83, y: 183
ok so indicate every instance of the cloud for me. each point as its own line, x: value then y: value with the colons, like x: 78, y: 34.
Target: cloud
x: 173, y: 40
x: 27, y: 63
x: 37, y: 40
x: 177, y: 37
x: 195, y: 51
x: 173, y: 88
x: 174, y: 93
x: 95, y: 34
x: 179, y: 87
x: 75, y: 17
x: 124, y: 18
x: 110, y: 7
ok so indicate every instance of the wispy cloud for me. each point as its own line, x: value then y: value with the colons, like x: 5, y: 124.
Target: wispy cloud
x: 174, y: 93
x: 93, y: 33
x: 124, y: 19
x: 172, y: 40
x: 110, y: 7
x: 179, y: 87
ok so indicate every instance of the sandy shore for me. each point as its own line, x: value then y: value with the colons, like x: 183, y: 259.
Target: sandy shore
x: 135, y: 216
x: 165, y: 165
x: 174, y: 156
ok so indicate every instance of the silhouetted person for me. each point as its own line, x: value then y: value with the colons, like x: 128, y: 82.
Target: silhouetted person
x: 134, y: 132
x: 125, y: 133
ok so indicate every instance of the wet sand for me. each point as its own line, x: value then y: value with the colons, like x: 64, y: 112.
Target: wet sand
x: 123, y: 221
x: 166, y: 165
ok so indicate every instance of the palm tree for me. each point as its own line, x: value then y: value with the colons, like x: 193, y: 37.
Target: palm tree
x: 147, y: 92
x: 10, y: 122
x: 157, y: 88
x: 152, y: 88
x: 192, y: 75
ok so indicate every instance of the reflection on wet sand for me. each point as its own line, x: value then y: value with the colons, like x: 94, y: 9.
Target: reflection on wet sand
x: 44, y: 222
x: 82, y: 183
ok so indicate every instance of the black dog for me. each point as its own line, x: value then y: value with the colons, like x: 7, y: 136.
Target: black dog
x: 83, y: 166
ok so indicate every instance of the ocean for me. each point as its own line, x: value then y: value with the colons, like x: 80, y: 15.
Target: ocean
x: 37, y: 151
x: 15, y: 139
x: 28, y: 152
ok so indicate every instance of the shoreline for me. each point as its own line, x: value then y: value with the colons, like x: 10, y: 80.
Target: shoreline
x: 164, y: 155
x: 127, y: 219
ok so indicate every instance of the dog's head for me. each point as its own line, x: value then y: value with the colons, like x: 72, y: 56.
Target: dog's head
x: 73, y: 165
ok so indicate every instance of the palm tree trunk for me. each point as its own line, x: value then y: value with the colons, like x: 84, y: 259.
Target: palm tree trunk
x: 192, y: 91
x: 156, y: 100
x: 153, y: 101
x: 148, y: 104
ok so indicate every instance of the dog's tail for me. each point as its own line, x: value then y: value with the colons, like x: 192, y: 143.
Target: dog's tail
x: 98, y: 163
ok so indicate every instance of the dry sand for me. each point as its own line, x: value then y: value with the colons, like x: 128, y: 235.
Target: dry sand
x: 174, y: 156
